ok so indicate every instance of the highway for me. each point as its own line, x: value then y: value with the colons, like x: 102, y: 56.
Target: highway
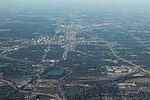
x: 138, y: 67
x: 12, y: 85
x: 69, y: 71
x: 57, y: 97
x: 117, y: 56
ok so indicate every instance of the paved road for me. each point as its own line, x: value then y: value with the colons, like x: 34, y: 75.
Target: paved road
x: 112, y: 50
x: 138, y: 67
x: 13, y: 86
x: 57, y: 97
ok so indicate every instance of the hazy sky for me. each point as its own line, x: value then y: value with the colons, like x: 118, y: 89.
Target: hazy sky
x: 75, y: 3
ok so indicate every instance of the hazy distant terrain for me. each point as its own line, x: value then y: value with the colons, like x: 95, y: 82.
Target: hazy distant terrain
x: 74, y: 49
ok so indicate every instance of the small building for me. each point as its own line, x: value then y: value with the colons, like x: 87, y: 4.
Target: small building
x: 129, y: 84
